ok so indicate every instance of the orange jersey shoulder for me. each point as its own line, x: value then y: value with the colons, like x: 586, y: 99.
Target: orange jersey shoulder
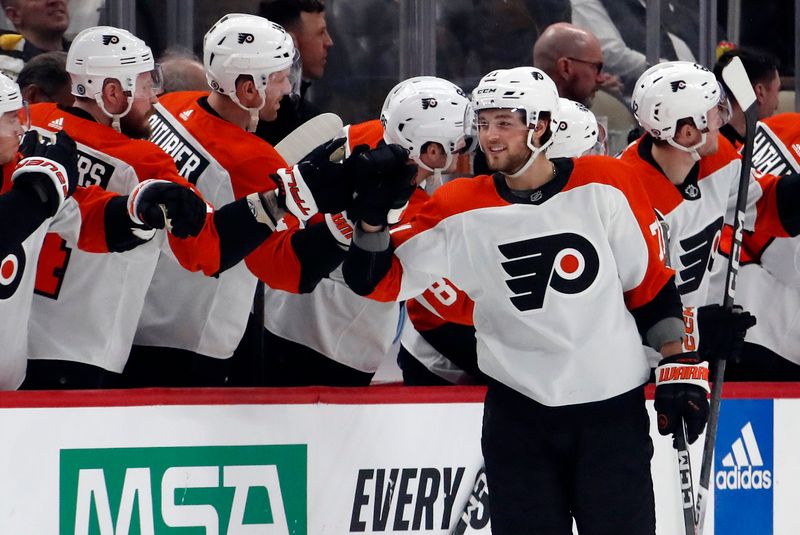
x: 366, y: 133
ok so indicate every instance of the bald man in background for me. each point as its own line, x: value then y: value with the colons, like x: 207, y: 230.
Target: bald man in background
x: 183, y: 71
x: 572, y: 57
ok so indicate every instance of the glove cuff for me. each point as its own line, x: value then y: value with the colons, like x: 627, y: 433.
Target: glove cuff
x: 341, y: 228
x: 297, y: 195
x: 684, y: 368
x: 53, y: 170
x: 135, y: 196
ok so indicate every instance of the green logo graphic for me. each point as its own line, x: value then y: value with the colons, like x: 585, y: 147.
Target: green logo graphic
x: 234, y: 490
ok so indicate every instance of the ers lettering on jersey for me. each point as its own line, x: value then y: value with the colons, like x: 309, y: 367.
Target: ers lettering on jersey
x: 566, y: 262
x: 11, y: 269
x: 697, y: 255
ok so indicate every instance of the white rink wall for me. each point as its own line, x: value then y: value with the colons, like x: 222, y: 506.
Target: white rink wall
x: 328, y: 461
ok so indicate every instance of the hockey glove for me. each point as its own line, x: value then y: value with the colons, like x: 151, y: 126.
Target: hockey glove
x: 716, y: 333
x: 341, y: 228
x: 49, y: 170
x: 384, y: 184
x: 164, y: 204
x: 681, y: 389
x: 318, y: 183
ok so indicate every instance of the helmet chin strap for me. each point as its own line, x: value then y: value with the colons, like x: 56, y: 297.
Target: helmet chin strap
x: 534, y: 153
x: 251, y: 127
x: 432, y: 183
x: 693, y: 149
x: 115, y: 117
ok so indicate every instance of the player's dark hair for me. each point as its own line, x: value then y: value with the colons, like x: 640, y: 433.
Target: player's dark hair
x: 287, y: 12
x: 47, y: 71
x: 759, y: 65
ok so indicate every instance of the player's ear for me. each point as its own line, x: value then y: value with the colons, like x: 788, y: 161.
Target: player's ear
x: 114, y: 97
x: 246, y: 92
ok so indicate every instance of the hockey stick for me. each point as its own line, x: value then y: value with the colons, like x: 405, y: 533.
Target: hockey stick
x: 308, y: 136
x: 736, y: 79
x: 302, y: 140
x: 685, y: 473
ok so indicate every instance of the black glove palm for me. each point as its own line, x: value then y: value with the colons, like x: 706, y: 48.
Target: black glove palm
x: 160, y: 201
x: 722, y: 331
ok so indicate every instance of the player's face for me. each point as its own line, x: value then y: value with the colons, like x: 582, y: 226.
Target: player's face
x: 10, y: 132
x: 768, y: 96
x: 277, y: 86
x: 715, y: 122
x: 313, y: 42
x: 135, y: 124
x: 503, y: 136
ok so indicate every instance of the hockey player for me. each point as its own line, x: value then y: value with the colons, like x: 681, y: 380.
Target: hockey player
x: 350, y: 336
x: 39, y: 194
x: 191, y: 324
x: 438, y: 338
x: 115, y: 83
x: 538, y: 247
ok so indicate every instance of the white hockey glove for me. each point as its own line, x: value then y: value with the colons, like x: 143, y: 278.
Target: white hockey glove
x: 50, y: 170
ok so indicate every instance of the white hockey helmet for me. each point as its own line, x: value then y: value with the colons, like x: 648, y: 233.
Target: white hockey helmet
x: 675, y: 90
x: 104, y: 52
x: 577, y: 133
x: 426, y: 109
x: 11, y: 101
x: 526, y: 89
x: 240, y: 44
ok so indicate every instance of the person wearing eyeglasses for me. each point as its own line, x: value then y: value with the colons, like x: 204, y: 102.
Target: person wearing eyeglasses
x: 572, y: 57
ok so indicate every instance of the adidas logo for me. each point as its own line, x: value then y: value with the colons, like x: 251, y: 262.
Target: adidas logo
x: 741, y: 466
x: 56, y: 124
x: 796, y: 147
x: 186, y: 114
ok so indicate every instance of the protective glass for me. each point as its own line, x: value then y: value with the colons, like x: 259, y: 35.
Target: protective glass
x: 723, y: 112
x: 296, y: 76
x: 601, y: 145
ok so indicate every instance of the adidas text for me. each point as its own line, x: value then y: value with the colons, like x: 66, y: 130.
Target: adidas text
x: 743, y: 479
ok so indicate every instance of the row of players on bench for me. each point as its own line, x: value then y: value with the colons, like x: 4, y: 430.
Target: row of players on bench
x: 187, y: 329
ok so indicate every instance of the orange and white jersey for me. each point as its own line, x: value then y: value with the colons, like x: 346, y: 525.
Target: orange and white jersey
x: 83, y: 212
x: 696, y: 210
x: 87, y: 306
x: 538, y: 269
x: 189, y: 311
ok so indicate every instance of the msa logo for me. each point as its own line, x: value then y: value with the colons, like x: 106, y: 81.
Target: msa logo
x: 677, y: 85
x: 743, y: 465
x: 110, y: 39
x: 224, y: 489
x: 245, y: 38
x: 429, y: 102
x: 568, y: 263
x: 696, y: 256
x: 12, y: 267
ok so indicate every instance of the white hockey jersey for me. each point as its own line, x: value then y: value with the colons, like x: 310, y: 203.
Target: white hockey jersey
x: 553, y: 278
x: 87, y: 306
x: 205, y: 315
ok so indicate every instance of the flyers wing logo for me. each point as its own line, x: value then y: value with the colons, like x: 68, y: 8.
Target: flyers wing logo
x: 568, y: 263
x: 429, y: 103
x: 246, y: 38
x: 697, y: 256
x: 110, y: 39
x: 677, y: 85
x: 12, y: 268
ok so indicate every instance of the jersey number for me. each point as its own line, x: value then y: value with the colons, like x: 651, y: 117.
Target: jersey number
x: 52, y: 266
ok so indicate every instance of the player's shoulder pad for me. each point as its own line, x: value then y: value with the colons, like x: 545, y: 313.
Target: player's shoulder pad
x: 464, y: 194
x: 366, y: 133
x: 784, y: 125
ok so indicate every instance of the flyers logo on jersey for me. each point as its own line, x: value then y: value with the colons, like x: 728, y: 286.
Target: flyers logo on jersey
x: 697, y: 256
x: 568, y: 263
x: 11, y: 269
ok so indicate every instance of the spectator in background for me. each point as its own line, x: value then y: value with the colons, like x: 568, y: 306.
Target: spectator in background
x: 762, y: 68
x: 40, y: 24
x: 572, y: 57
x: 45, y: 79
x: 182, y: 71
x: 304, y: 20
